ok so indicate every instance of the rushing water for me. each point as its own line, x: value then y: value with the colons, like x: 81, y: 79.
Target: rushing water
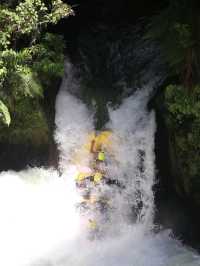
x: 39, y: 223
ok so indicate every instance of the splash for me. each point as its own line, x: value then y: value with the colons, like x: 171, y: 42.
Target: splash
x: 73, y: 120
x: 132, y: 146
x: 130, y: 239
x: 133, y: 130
x: 36, y: 215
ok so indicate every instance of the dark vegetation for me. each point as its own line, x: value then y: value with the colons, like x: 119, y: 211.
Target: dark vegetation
x: 176, y: 28
x: 31, y: 59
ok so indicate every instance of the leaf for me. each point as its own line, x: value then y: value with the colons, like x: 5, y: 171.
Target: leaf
x: 30, y: 85
x: 4, y: 114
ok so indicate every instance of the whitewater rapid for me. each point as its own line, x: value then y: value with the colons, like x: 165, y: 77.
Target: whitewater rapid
x: 39, y: 222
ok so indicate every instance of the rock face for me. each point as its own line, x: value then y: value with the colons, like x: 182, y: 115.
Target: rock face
x: 185, y: 173
x: 177, y: 192
x: 182, y: 118
x: 185, y: 165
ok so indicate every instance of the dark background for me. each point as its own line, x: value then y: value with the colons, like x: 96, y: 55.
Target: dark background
x: 88, y: 13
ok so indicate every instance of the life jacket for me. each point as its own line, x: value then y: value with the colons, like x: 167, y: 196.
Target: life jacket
x: 81, y: 177
x: 101, y: 156
x: 92, y: 224
x: 97, y: 177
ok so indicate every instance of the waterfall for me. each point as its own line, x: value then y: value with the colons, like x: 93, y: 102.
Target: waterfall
x: 133, y: 129
x: 40, y: 224
x: 133, y: 126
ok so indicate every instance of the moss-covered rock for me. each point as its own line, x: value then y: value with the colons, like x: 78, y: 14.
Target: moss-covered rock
x: 29, y: 124
x: 182, y: 117
x: 26, y: 141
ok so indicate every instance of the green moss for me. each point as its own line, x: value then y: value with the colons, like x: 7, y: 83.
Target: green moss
x: 31, y: 60
x: 29, y: 124
x: 24, y: 88
x: 183, y: 122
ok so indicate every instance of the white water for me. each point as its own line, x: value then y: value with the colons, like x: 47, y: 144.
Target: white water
x: 39, y: 224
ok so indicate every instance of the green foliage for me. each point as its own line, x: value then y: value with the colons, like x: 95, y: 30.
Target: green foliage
x: 50, y: 58
x: 29, y: 18
x: 17, y: 77
x: 28, y: 56
x: 176, y: 29
x: 29, y: 85
x: 183, y: 107
x: 4, y: 114
x: 183, y: 122
x: 183, y: 34
x: 28, y: 124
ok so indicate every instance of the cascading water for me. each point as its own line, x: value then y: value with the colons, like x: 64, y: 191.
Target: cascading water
x: 133, y: 242
x: 133, y: 131
x: 40, y: 225
x: 133, y: 128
